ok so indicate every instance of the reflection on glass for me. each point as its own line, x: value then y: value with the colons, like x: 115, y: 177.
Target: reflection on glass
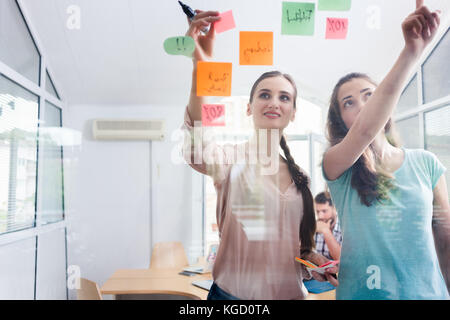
x: 211, y: 232
x: 49, y: 86
x: 408, y: 130
x: 437, y: 136
x: 319, y: 182
x: 17, y: 48
x: 300, y: 153
x: 436, y: 75
x: 50, y: 153
x: 18, y: 133
x: 408, y: 99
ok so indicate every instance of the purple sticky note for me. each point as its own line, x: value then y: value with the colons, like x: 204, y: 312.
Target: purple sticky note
x: 226, y: 22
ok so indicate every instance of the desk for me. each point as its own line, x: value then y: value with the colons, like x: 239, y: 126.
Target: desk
x: 154, y: 281
x: 168, y: 281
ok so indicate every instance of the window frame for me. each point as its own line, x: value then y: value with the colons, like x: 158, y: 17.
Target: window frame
x: 43, y: 95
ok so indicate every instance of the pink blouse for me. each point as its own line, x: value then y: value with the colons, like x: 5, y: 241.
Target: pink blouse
x: 258, y: 224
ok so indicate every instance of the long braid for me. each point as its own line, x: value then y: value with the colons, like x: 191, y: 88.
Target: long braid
x: 308, y: 223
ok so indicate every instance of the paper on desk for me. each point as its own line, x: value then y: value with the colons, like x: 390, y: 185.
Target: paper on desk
x: 197, y: 269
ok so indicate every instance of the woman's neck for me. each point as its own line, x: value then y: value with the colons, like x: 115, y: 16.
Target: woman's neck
x: 268, y: 141
x: 387, y: 155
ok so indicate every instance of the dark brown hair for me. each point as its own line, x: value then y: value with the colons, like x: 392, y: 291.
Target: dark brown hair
x: 368, y: 178
x: 322, y: 198
x: 301, y: 180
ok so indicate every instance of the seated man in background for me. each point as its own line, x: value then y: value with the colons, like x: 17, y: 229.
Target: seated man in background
x: 328, y: 236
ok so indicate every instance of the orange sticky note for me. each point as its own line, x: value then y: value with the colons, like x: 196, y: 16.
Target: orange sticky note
x: 225, y: 23
x: 213, y: 78
x: 213, y: 115
x: 336, y: 28
x: 255, y: 48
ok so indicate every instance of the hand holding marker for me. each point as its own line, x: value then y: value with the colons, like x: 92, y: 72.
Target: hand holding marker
x: 191, y: 14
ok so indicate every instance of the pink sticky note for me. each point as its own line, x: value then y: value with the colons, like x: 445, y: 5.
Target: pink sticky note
x: 226, y: 22
x: 213, y: 115
x: 336, y: 28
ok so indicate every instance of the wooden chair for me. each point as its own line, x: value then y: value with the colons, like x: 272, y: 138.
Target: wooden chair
x: 168, y: 255
x: 89, y: 290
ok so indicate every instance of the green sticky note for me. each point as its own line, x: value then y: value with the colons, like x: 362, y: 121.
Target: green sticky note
x: 180, y: 46
x: 334, y: 5
x: 298, y: 18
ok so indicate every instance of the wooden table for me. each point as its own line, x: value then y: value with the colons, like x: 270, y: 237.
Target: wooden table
x: 154, y: 281
x: 168, y: 281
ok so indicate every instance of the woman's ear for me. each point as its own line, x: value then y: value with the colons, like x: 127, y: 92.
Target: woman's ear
x: 249, y: 109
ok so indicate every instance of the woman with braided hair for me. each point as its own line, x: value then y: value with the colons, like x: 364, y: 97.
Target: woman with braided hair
x: 264, y: 208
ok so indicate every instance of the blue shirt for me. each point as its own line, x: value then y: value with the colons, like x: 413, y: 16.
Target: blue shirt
x: 388, y: 249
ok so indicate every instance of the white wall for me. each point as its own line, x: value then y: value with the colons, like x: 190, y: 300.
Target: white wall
x: 115, y: 210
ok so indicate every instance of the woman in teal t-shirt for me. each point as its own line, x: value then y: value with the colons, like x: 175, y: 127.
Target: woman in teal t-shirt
x: 392, y: 202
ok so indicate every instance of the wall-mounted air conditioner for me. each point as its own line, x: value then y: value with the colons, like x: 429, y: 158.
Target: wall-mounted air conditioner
x: 128, y: 129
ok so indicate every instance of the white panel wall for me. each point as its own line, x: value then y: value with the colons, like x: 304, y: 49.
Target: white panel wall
x: 17, y: 261
x: 123, y: 196
x: 51, y: 266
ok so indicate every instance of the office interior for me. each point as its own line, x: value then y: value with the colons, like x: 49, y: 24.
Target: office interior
x: 76, y: 202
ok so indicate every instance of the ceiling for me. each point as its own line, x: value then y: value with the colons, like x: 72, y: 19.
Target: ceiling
x: 116, y: 57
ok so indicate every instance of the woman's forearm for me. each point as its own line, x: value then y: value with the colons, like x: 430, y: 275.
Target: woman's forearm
x: 195, y: 102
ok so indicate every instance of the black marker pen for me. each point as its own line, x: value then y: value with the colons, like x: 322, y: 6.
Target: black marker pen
x: 191, y: 14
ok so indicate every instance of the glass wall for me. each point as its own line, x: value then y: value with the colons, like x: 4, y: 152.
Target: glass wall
x: 17, y: 48
x: 18, y: 154
x: 437, y: 136
x: 50, y: 148
x: 31, y: 167
x: 427, y: 124
x: 436, y: 75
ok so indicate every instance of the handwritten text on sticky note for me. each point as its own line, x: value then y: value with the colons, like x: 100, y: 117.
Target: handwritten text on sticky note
x: 179, y: 46
x: 213, y: 78
x: 213, y: 115
x: 298, y: 18
x: 336, y: 28
x: 334, y: 5
x: 225, y: 23
x: 255, y: 48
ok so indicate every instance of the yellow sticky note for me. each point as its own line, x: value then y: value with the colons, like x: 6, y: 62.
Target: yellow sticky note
x: 213, y: 78
x: 255, y: 48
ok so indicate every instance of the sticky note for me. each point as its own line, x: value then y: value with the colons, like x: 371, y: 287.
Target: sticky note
x: 213, y: 115
x: 213, y: 78
x: 225, y: 23
x: 334, y: 5
x: 256, y: 48
x: 180, y: 46
x: 336, y: 28
x: 298, y: 18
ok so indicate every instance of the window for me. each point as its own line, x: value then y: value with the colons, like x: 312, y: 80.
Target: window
x: 50, y: 151
x: 49, y: 86
x: 436, y: 76
x: 437, y: 136
x: 408, y: 99
x: 17, y: 48
x: 318, y: 183
x: 409, y: 132
x: 18, y: 136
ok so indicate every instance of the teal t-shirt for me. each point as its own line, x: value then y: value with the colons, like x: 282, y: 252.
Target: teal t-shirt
x: 388, y: 249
